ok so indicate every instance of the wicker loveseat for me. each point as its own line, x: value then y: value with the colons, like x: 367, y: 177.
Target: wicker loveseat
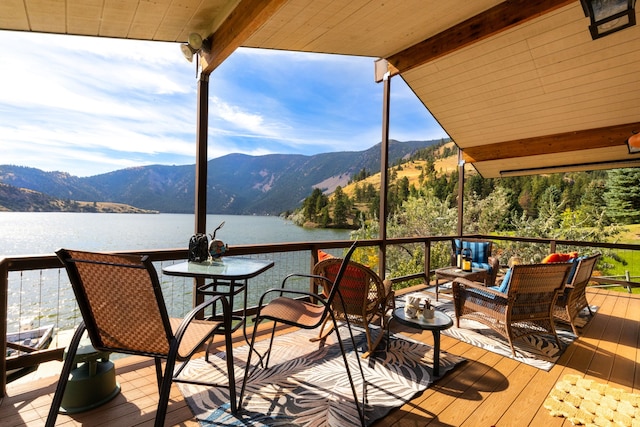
x: 525, y: 308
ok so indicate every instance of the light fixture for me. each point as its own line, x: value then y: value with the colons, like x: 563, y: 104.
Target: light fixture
x: 609, y: 16
x: 633, y: 143
x: 193, y: 46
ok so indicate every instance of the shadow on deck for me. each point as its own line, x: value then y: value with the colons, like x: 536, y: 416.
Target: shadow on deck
x: 487, y: 390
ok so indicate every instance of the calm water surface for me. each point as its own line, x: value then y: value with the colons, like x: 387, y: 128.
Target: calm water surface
x: 23, y: 233
x: 45, y: 297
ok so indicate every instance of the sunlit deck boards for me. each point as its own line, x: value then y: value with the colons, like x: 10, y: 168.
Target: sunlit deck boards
x: 486, y: 390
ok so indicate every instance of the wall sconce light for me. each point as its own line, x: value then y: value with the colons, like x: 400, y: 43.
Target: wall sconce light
x: 633, y: 143
x: 194, y: 45
x: 609, y: 16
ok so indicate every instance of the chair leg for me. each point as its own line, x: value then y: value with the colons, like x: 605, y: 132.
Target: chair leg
x: 64, y: 375
x: 346, y: 364
x: 230, y: 369
x: 165, y: 385
x: 321, y: 336
x: 159, y: 376
x: 248, y: 365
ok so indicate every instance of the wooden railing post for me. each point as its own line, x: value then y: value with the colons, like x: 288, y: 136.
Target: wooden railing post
x: 4, y: 292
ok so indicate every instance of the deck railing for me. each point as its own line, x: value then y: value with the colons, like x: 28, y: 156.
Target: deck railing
x: 22, y: 276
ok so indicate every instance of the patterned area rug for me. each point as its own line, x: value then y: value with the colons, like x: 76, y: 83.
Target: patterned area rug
x: 307, y: 386
x: 540, y: 351
x: 587, y: 402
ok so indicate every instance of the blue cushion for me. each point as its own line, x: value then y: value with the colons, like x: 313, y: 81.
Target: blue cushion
x: 574, y: 266
x: 484, y: 265
x: 504, y: 285
x: 479, y: 250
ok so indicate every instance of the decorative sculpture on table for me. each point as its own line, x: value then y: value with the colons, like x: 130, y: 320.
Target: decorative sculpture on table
x: 217, y: 248
x: 412, y: 306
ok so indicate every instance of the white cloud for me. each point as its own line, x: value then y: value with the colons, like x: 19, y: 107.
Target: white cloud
x: 91, y: 105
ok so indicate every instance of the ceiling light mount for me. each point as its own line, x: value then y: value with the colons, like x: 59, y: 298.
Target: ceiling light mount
x: 195, y: 44
x: 609, y: 16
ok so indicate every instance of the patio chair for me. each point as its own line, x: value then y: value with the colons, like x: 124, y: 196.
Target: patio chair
x: 123, y: 311
x: 526, y: 308
x: 365, y: 296
x: 480, y: 256
x: 574, y: 298
x: 306, y: 315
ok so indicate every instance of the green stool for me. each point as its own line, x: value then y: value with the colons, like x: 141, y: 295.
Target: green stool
x: 92, y: 381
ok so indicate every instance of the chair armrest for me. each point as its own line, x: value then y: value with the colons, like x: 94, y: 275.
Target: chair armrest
x: 464, y: 284
x: 308, y: 276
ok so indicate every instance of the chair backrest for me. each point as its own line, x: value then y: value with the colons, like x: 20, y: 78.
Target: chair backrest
x: 120, y: 300
x: 584, y: 270
x: 534, y: 288
x: 337, y: 279
x: 361, y: 289
x: 480, y: 249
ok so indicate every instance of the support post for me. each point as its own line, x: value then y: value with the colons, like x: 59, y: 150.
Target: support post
x: 384, y: 176
x: 460, y: 193
x: 202, y: 138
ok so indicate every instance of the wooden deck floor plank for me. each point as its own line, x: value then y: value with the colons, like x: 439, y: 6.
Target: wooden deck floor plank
x: 528, y: 407
x: 623, y: 370
x: 605, y: 343
x: 467, y: 385
x: 480, y: 397
x: 444, y: 403
x: 422, y: 405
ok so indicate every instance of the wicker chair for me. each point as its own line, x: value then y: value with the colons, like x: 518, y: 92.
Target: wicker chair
x: 525, y: 309
x: 123, y: 311
x: 481, y: 256
x: 365, y: 296
x: 574, y: 298
x: 306, y: 315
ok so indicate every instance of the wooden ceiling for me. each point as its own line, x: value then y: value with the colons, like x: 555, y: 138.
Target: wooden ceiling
x: 520, y: 86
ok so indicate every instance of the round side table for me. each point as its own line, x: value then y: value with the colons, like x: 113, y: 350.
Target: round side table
x: 439, y: 323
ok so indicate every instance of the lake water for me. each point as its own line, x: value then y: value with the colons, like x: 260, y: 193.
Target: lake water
x: 23, y: 233
x: 44, y: 297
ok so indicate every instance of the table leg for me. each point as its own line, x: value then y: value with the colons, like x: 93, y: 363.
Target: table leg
x: 436, y: 353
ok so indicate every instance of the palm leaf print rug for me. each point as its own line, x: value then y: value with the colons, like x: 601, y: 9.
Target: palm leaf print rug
x: 540, y: 351
x: 306, y: 383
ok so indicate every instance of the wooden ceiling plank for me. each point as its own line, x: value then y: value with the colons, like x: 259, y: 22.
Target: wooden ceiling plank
x: 489, y: 23
x: 245, y: 19
x: 14, y: 16
x: 550, y: 144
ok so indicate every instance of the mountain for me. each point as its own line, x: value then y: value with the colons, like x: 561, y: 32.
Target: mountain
x: 237, y: 183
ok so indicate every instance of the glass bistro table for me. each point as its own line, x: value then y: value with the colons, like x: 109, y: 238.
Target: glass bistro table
x: 227, y: 276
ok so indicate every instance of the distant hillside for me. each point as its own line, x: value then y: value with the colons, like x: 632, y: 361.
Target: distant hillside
x: 24, y: 200
x: 412, y: 170
x: 237, y: 183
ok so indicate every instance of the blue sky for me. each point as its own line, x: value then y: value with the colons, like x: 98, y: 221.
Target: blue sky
x: 89, y: 105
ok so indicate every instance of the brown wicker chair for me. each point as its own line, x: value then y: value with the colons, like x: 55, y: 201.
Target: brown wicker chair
x: 574, y: 298
x: 365, y: 296
x: 123, y: 311
x: 526, y: 308
x: 481, y: 258
x: 293, y: 311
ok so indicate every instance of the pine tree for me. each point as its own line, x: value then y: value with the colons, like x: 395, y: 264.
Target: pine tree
x: 623, y: 195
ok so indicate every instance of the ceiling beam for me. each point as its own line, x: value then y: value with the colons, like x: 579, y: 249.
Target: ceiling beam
x: 241, y: 23
x: 486, y: 24
x: 559, y: 143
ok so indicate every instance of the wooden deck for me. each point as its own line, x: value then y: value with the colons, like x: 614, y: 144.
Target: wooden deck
x: 487, y: 390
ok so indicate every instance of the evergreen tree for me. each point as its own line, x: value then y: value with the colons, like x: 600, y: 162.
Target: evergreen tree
x: 623, y: 195
x: 340, y: 206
